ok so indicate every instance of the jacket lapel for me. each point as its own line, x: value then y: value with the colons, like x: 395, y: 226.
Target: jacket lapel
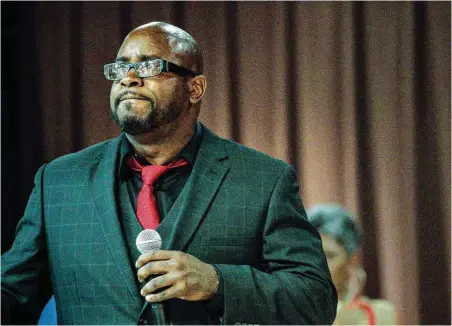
x: 104, y: 187
x: 210, y: 168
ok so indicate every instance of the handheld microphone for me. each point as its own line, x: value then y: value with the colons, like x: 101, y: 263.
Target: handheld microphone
x: 146, y: 241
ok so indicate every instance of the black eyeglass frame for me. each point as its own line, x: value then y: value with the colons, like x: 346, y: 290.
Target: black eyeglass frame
x: 167, y: 67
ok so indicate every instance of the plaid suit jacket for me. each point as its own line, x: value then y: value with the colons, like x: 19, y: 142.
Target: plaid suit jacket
x: 239, y: 210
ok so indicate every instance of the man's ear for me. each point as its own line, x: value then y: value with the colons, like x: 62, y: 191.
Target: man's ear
x: 198, y: 85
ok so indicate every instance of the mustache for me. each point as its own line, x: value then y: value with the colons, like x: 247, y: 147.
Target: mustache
x: 131, y: 94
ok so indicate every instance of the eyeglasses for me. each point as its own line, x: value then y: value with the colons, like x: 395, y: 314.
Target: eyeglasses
x: 144, y: 69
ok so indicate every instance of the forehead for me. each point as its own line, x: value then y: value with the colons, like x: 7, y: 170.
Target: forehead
x: 145, y: 45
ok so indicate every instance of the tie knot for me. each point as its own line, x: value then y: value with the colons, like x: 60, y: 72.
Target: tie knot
x: 151, y: 173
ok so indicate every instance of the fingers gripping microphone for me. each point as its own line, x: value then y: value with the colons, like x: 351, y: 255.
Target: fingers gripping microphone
x: 146, y: 241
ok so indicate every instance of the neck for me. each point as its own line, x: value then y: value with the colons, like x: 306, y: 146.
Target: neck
x: 162, y: 145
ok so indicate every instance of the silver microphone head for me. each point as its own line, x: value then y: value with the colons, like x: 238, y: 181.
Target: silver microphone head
x: 148, y: 240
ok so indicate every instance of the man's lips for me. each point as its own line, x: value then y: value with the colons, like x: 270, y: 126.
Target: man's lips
x: 132, y: 97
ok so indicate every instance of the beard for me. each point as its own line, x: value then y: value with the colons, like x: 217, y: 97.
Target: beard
x: 155, y: 118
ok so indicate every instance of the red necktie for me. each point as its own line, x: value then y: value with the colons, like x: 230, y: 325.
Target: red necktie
x: 147, y: 211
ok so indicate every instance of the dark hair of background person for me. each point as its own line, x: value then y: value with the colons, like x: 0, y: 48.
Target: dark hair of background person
x: 337, y: 223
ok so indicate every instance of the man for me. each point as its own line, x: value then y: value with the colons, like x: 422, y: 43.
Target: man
x: 237, y: 247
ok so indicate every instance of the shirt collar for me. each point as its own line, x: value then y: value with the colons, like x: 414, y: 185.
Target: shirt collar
x: 188, y: 152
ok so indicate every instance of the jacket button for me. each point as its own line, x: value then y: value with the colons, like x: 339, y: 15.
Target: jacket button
x: 143, y: 322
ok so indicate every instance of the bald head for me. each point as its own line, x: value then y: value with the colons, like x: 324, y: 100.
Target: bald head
x: 177, y: 45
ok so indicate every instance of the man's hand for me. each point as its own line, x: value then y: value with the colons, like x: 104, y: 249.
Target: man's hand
x: 181, y: 276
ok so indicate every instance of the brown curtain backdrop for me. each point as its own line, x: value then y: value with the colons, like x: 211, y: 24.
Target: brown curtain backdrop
x: 356, y: 95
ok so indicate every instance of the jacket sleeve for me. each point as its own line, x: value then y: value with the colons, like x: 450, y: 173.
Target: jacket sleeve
x: 25, y: 270
x: 295, y: 287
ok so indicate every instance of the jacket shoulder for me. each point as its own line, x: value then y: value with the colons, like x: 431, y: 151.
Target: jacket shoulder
x: 85, y: 156
x: 244, y: 155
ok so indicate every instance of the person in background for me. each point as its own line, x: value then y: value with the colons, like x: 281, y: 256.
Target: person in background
x: 341, y: 240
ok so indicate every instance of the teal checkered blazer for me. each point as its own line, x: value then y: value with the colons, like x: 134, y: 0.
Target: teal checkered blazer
x: 240, y: 210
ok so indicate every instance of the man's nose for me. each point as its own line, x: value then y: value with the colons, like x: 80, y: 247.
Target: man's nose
x: 132, y: 79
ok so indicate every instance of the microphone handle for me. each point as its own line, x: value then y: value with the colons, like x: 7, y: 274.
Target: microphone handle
x: 158, y: 313
x: 157, y: 310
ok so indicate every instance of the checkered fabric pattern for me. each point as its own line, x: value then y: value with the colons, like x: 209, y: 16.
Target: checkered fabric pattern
x: 239, y: 210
